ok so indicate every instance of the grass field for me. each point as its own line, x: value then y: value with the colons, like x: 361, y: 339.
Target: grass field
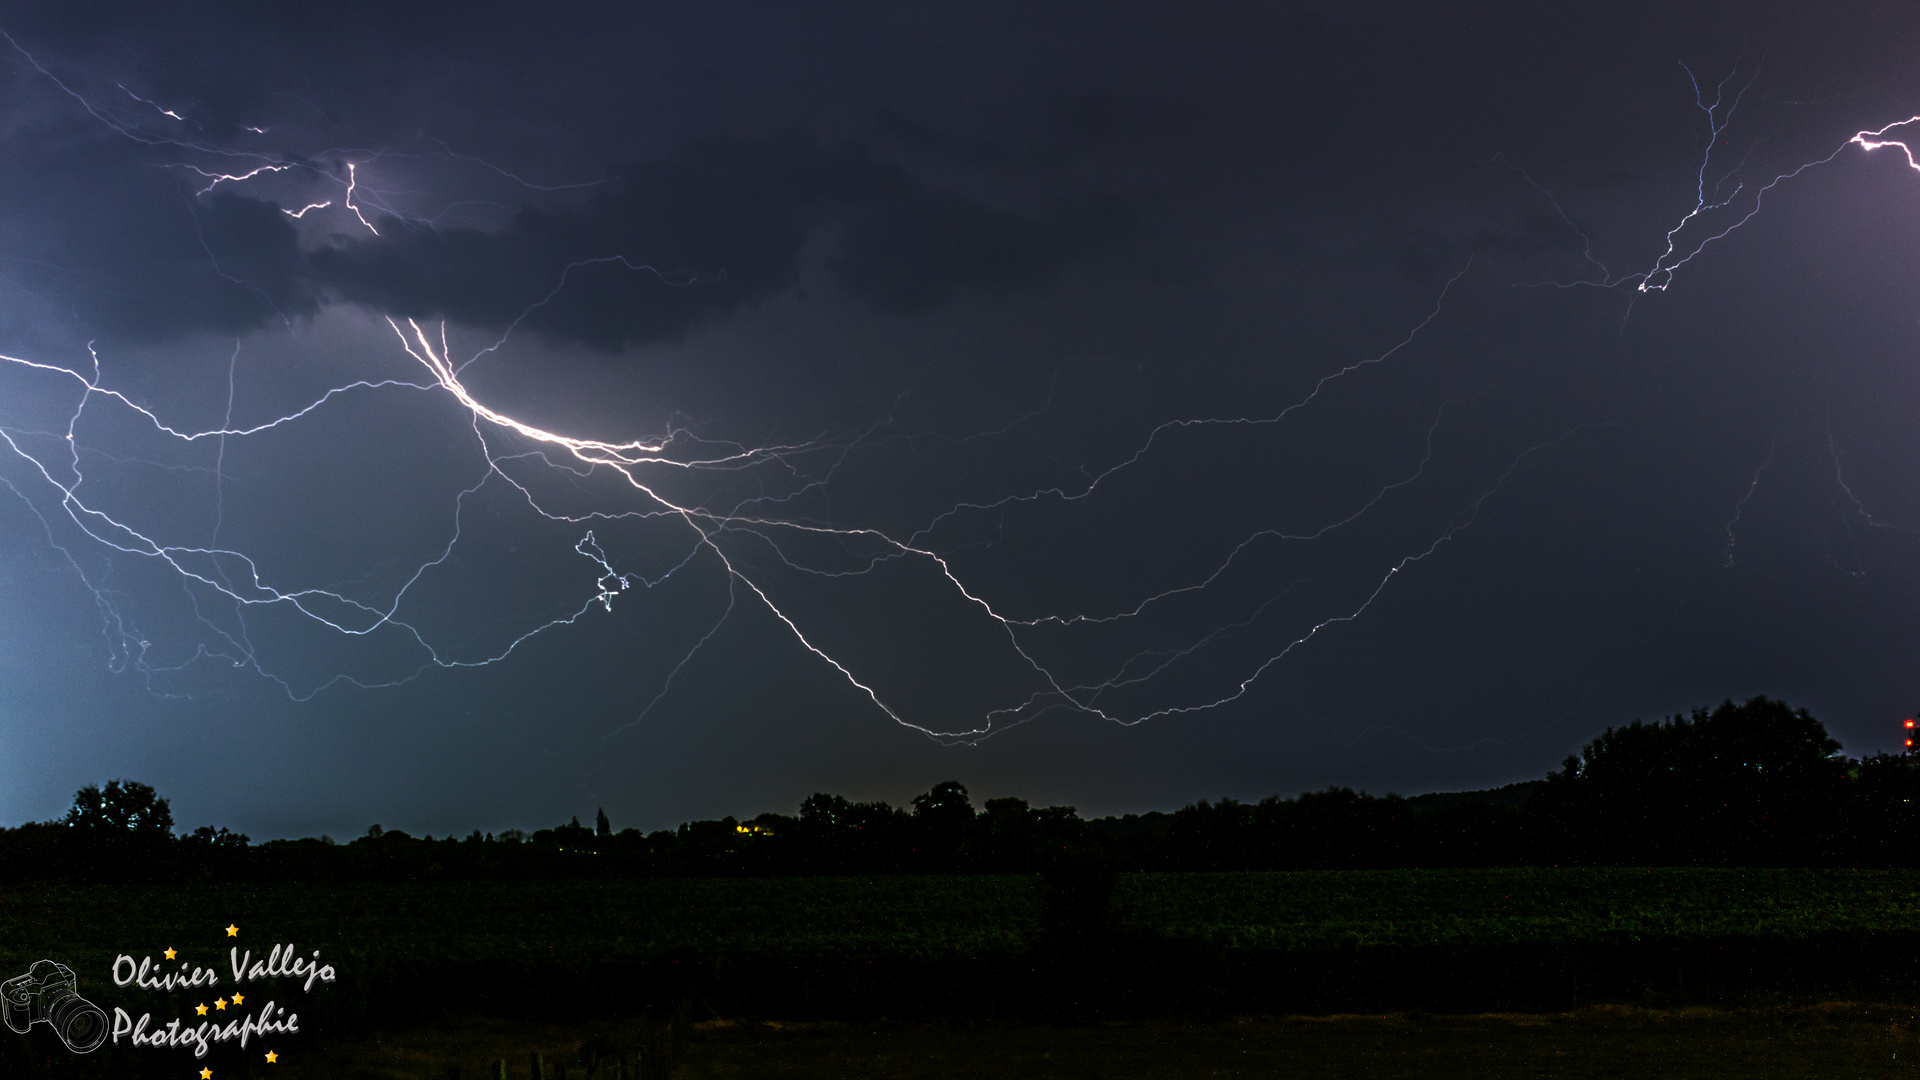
x: 929, y: 917
x: 960, y: 948
x: 1837, y: 1040
x: 510, y: 924
x: 1425, y: 907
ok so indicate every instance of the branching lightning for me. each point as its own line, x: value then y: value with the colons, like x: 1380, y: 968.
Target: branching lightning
x: 678, y: 484
x: 353, y: 181
x: 1703, y: 224
x: 645, y: 466
x: 1753, y: 485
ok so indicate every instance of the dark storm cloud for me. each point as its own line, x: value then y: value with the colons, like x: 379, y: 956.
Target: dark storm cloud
x: 1425, y: 255
x: 113, y: 230
x: 897, y: 129
x: 664, y: 244
x: 916, y: 253
x: 124, y: 245
x: 251, y: 244
x: 1277, y: 166
x: 1068, y: 128
x: 1420, y: 254
x: 1539, y: 231
x: 720, y: 224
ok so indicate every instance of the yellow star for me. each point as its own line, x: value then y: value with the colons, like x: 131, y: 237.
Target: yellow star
x: 272, y: 1057
x: 219, y: 1003
x: 169, y: 954
x: 232, y: 930
x: 206, y: 1074
x: 202, y: 1010
x: 237, y: 999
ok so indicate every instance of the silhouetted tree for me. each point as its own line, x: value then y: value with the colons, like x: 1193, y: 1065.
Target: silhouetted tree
x: 37, y: 851
x: 206, y: 836
x: 1076, y: 883
x: 1752, y: 784
x: 816, y: 840
x: 572, y: 835
x: 1014, y: 838
x: 1214, y: 836
x: 123, y: 831
x: 942, y: 819
x: 1335, y: 828
x: 835, y: 836
x: 1340, y: 828
x: 1469, y: 834
x: 1881, y: 826
x: 214, y: 853
x: 1757, y: 783
x: 1004, y: 838
x: 125, y: 808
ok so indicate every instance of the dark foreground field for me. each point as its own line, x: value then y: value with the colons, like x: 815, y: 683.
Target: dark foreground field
x: 876, y: 970
x: 1625, y: 1042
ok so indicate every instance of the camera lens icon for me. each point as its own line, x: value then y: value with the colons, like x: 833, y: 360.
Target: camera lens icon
x: 46, y: 994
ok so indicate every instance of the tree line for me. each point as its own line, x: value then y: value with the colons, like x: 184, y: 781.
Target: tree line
x: 1750, y: 784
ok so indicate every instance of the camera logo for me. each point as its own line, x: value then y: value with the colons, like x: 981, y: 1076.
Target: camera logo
x: 46, y: 993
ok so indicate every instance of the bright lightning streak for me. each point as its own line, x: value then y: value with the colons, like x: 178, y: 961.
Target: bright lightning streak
x: 1661, y: 276
x: 589, y: 451
x: 728, y: 530
x: 1677, y: 251
x: 710, y: 531
x: 226, y: 178
x: 351, y: 181
x: 1871, y: 140
x: 163, y: 112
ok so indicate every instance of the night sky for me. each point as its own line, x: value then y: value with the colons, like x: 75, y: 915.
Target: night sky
x: 1108, y: 404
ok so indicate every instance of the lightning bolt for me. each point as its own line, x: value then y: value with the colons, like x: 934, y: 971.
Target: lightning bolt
x: 353, y: 180
x: 169, y: 113
x: 646, y: 466
x: 216, y: 179
x: 680, y: 482
x: 1691, y: 233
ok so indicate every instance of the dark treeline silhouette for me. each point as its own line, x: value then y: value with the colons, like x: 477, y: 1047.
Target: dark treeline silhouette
x: 1753, y: 784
